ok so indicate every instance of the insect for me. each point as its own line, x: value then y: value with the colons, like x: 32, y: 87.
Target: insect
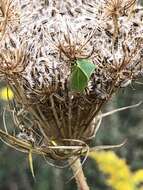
x: 82, y: 71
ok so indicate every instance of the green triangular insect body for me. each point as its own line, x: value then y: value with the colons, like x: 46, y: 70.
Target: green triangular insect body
x: 78, y: 80
x: 81, y: 74
x: 86, y: 66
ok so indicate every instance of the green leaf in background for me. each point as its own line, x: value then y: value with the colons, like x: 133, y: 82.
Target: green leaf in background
x: 81, y: 74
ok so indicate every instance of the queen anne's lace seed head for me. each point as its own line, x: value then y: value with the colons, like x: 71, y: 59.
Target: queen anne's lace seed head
x: 58, y: 32
x: 43, y: 39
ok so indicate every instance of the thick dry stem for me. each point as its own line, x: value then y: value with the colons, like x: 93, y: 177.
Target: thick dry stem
x: 79, y: 175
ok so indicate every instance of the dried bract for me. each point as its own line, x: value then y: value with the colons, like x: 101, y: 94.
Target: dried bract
x: 116, y: 8
x: 12, y: 61
x: 9, y: 17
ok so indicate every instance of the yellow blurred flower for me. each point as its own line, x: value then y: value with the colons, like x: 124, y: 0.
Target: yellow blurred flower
x: 138, y: 177
x: 120, y: 177
x: 6, y: 94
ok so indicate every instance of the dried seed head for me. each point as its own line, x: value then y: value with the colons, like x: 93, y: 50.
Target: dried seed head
x: 9, y: 16
x: 116, y: 8
x: 56, y: 34
x: 12, y: 60
x: 63, y: 32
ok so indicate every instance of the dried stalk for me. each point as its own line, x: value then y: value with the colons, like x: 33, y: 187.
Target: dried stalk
x: 79, y: 174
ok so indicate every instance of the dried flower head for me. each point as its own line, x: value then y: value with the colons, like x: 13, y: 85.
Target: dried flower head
x: 116, y: 8
x: 8, y: 16
x: 12, y: 61
x: 51, y: 118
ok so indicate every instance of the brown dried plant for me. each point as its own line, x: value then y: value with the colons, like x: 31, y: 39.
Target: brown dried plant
x: 116, y: 8
x: 37, y: 58
x: 8, y: 15
x: 12, y: 62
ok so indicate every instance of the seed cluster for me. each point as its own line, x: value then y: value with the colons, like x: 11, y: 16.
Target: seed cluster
x: 41, y: 43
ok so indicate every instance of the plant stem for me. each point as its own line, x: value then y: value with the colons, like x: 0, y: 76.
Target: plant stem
x: 79, y: 175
